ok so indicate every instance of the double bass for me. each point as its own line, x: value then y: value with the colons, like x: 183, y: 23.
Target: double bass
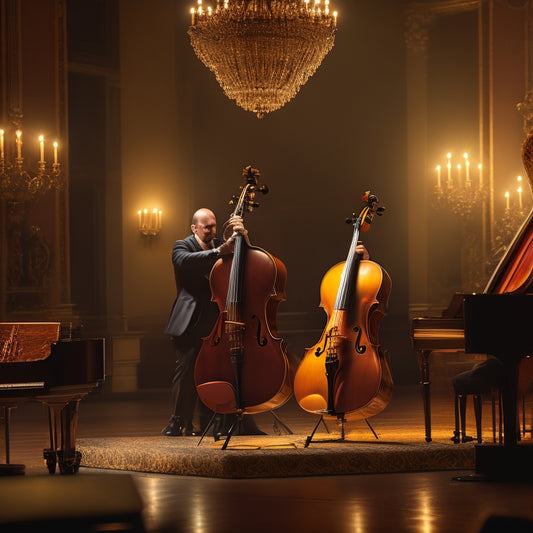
x: 346, y: 374
x: 242, y: 366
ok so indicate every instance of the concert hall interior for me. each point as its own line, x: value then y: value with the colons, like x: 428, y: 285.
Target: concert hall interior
x: 427, y: 104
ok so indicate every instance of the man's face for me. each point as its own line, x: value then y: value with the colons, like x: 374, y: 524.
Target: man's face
x: 205, y: 227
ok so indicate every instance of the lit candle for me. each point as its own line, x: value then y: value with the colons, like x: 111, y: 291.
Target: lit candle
x: 159, y: 219
x: 467, y: 165
x: 480, y: 169
x: 458, y: 175
x: 19, y: 143
x: 41, y: 147
x: 519, y: 191
x: 139, y: 214
x: 1, y: 144
x: 335, y: 18
x: 507, y: 200
x: 192, y: 16
x: 144, y: 218
x: 438, y: 176
x: 209, y: 10
x: 449, y: 166
x: 55, y: 152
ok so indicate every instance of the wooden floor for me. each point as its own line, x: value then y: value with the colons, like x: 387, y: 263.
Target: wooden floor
x: 428, y: 502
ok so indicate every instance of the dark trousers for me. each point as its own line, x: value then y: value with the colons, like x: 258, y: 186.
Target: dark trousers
x: 185, y: 401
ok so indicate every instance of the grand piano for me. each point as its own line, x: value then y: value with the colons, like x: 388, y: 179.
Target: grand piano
x: 497, y: 322
x: 36, y: 364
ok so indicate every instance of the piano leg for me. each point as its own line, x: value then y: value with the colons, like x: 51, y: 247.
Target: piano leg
x: 457, y: 432
x: 63, y: 418
x: 69, y: 460
x: 423, y: 364
x: 477, y: 415
x: 8, y: 468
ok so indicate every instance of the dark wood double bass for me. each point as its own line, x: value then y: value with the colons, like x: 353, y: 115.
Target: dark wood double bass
x: 242, y: 366
x: 346, y: 375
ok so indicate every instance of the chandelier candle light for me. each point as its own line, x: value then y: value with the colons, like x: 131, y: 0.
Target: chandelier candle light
x: 458, y: 192
x: 519, y: 191
x: 20, y: 183
x: 262, y: 51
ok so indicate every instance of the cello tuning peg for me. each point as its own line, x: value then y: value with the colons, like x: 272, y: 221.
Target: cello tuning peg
x: 263, y: 189
x: 380, y: 210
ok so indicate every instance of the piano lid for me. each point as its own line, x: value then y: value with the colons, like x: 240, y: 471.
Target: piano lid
x: 514, y: 273
x: 27, y: 341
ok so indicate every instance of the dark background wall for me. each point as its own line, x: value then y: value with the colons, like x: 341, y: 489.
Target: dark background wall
x: 343, y: 134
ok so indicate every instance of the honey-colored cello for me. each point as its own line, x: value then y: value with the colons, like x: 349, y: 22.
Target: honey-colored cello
x: 242, y: 367
x: 346, y: 375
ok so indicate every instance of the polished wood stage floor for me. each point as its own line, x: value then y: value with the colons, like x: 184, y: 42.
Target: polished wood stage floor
x: 429, y: 502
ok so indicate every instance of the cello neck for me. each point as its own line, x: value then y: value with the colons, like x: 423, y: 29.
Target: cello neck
x: 349, y: 273
x: 235, y: 287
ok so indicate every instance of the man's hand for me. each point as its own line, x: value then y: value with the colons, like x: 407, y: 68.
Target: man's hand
x: 361, y: 250
x: 236, y: 225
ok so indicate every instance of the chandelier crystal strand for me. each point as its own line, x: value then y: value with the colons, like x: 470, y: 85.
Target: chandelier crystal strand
x: 262, y: 51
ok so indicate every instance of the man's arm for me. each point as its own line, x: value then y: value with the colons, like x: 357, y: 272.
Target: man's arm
x: 184, y: 257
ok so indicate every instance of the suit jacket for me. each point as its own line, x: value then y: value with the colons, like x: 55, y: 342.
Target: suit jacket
x: 193, y: 310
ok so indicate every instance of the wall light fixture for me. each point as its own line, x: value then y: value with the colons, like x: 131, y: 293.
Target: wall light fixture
x: 150, y: 222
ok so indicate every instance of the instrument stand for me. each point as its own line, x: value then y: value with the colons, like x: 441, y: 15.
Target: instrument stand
x: 235, y: 426
x: 343, y: 434
x: 211, y: 421
x: 277, y: 420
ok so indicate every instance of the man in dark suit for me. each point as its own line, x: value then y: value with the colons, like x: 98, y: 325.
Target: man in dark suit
x: 193, y: 314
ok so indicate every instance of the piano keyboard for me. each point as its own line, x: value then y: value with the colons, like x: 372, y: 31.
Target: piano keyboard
x: 16, y: 386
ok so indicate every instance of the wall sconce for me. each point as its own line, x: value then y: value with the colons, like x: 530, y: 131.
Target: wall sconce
x: 149, y: 222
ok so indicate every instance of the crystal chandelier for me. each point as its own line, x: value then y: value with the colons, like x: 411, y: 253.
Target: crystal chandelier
x: 18, y: 180
x: 262, y: 51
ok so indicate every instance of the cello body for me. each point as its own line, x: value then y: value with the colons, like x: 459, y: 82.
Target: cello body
x: 242, y: 366
x: 346, y: 374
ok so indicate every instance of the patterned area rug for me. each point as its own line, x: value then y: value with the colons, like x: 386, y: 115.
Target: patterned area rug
x: 270, y: 456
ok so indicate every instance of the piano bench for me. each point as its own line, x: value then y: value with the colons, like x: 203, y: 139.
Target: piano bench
x: 459, y: 434
x: 484, y: 378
